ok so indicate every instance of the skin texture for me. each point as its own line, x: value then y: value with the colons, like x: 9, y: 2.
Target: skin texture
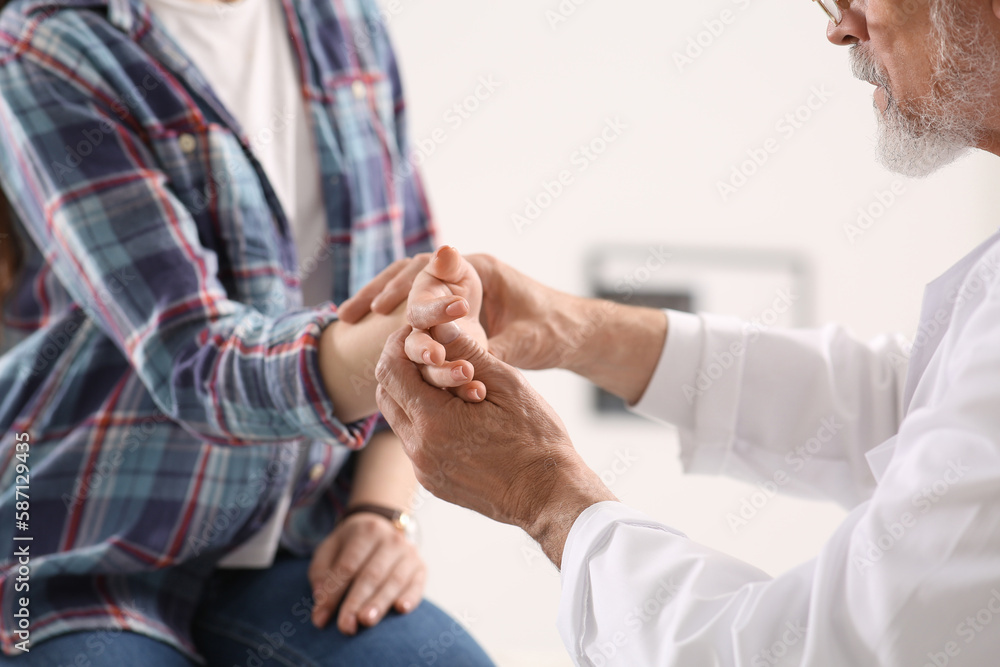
x: 509, y: 456
x: 470, y: 453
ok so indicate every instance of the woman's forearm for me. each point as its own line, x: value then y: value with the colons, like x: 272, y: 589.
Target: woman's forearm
x: 384, y: 475
x: 347, y: 356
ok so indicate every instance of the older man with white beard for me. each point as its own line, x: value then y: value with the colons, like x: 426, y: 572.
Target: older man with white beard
x: 910, y: 437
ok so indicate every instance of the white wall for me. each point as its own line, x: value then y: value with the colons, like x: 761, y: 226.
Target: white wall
x: 657, y: 184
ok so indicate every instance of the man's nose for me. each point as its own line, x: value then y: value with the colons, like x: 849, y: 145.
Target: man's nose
x: 852, y: 29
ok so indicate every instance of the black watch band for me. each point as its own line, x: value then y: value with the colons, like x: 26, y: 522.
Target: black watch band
x: 398, y: 518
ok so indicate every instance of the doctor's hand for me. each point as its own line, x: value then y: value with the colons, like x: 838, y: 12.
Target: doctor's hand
x: 508, y: 457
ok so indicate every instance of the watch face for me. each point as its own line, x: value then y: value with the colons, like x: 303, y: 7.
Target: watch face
x: 409, y: 526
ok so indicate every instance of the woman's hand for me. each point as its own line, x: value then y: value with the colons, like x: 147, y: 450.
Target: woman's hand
x: 448, y: 284
x: 366, y: 566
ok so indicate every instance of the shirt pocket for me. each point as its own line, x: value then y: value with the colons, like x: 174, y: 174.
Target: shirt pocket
x: 363, y: 113
x: 215, y: 180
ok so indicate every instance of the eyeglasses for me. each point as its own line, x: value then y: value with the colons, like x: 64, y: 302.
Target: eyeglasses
x: 834, y: 9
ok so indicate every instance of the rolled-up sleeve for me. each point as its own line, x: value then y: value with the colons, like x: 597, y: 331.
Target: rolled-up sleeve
x: 802, y: 404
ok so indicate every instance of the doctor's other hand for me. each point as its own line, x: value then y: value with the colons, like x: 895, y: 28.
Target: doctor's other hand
x: 508, y: 457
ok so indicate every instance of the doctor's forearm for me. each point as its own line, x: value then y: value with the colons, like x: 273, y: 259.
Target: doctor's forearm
x: 616, y: 346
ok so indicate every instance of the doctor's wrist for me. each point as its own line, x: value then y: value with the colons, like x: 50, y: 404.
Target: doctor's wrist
x: 572, y: 493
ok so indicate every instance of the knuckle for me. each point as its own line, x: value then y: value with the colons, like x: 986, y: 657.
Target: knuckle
x: 382, y: 370
x: 341, y: 573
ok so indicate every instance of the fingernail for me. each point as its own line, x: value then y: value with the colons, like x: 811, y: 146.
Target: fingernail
x: 456, y: 309
x: 427, y: 357
x: 447, y: 333
x: 406, y: 606
x: 458, y: 372
x: 370, y: 615
x: 478, y: 394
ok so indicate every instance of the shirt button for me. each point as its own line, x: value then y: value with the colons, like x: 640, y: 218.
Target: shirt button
x: 359, y: 90
x: 316, y: 471
x: 187, y: 143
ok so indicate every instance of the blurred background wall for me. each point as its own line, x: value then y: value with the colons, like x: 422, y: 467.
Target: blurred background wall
x: 672, y: 99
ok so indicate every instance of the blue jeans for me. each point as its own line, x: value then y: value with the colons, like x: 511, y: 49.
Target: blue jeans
x: 260, y: 618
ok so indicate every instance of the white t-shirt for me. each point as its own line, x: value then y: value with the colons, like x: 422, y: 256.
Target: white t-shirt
x: 244, y: 51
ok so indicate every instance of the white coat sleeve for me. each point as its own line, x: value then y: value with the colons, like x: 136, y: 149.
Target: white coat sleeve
x: 911, y: 578
x: 796, y: 408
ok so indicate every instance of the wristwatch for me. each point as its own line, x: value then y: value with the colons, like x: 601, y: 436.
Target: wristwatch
x: 400, y: 519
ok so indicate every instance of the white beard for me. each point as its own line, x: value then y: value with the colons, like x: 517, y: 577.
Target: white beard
x: 920, y: 136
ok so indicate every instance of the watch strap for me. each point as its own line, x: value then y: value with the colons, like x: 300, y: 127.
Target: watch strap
x: 398, y: 518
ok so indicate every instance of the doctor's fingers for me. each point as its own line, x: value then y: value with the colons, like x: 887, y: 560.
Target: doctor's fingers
x: 499, y: 379
x: 401, y: 380
x: 386, y: 291
x: 456, y: 375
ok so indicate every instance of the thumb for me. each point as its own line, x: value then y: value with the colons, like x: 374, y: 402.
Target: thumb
x: 489, y: 370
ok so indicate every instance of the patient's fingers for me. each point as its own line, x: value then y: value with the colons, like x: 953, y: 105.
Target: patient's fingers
x: 424, y: 311
x: 474, y: 392
x: 420, y: 348
x: 453, y: 374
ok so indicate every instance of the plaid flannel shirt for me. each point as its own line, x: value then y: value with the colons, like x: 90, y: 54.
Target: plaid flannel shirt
x: 156, y: 353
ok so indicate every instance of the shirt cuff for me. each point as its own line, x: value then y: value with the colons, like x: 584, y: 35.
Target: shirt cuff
x: 590, y: 535
x: 664, y: 398
x: 696, y: 387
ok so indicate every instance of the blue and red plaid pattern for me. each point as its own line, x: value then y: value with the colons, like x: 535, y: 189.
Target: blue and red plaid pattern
x: 156, y: 351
